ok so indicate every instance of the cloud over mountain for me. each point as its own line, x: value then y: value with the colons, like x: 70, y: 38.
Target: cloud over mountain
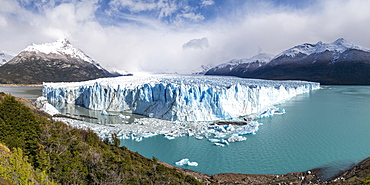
x: 145, y: 35
x: 196, y: 44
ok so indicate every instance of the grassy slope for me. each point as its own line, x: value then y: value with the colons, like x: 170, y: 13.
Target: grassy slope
x: 72, y: 156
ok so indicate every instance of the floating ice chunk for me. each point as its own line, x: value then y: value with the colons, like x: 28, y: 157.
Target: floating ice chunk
x: 250, y: 128
x: 223, y: 141
x: 214, y: 140
x: 104, y: 112
x: 123, y: 116
x: 271, y: 112
x: 138, y: 139
x: 147, y: 135
x: 199, y: 137
x: 192, y: 163
x: 190, y: 133
x: 43, y: 104
x: 235, y: 138
x: 169, y: 137
x: 220, y: 135
x: 186, y: 162
x: 220, y: 144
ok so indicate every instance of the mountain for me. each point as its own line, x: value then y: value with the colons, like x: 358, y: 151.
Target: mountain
x: 57, y: 61
x: 4, y: 57
x: 237, y: 67
x: 336, y: 63
x: 201, y: 70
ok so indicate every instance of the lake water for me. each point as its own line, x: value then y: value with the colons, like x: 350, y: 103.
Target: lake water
x: 328, y: 128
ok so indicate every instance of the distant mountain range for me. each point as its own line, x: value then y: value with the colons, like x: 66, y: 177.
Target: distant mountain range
x: 58, y: 61
x: 5, y: 57
x: 337, y: 63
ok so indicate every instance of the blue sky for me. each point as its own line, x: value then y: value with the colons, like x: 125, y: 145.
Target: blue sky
x: 180, y: 35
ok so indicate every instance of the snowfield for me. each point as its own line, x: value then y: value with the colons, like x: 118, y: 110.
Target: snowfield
x: 178, y: 98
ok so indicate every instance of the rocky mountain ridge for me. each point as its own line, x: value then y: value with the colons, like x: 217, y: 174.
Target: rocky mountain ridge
x: 58, y: 61
x: 336, y: 63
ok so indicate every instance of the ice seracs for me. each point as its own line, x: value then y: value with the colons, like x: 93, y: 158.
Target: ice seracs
x: 178, y: 98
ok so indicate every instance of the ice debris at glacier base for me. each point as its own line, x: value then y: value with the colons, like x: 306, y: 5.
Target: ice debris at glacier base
x: 43, y: 104
x: 178, y: 98
x: 150, y: 127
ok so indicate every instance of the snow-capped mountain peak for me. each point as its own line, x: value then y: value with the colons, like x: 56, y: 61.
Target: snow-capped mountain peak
x: 339, y: 46
x: 61, y: 47
x: 263, y: 58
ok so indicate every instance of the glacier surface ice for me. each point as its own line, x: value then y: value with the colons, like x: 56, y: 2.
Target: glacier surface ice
x: 178, y: 98
x: 216, y: 98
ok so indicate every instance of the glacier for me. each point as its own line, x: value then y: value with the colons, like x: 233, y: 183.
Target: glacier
x: 178, y: 97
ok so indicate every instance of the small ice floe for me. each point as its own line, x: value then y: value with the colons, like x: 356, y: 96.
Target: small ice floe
x: 147, y: 135
x: 190, y: 133
x: 199, y: 137
x: 123, y: 116
x: 250, y: 128
x: 214, y: 140
x: 271, y: 112
x: 235, y: 138
x: 223, y: 141
x: 186, y: 162
x: 219, y: 135
x: 138, y: 139
x: 220, y: 144
x: 169, y: 137
x: 104, y: 112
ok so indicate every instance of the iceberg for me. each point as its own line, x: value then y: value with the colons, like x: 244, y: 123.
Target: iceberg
x: 186, y: 162
x: 178, y: 98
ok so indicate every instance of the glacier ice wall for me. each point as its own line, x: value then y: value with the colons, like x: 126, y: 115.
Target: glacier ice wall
x: 182, y: 98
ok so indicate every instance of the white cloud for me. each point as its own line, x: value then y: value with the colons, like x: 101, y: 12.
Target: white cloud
x: 3, y: 22
x: 196, y: 44
x: 192, y: 16
x: 207, y: 2
x: 154, y: 45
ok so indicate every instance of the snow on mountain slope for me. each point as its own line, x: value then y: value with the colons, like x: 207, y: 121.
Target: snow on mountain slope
x: 4, y: 57
x: 262, y: 58
x: 201, y: 70
x: 61, y: 47
x: 338, y: 46
x: 182, y: 98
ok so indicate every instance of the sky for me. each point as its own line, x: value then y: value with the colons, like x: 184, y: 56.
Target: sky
x: 180, y: 35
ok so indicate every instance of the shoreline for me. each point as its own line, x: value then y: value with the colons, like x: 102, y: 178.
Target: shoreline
x: 353, y: 175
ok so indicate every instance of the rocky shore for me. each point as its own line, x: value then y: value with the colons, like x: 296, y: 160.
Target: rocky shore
x: 356, y: 175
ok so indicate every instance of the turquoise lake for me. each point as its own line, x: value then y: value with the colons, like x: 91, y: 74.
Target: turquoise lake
x: 327, y: 128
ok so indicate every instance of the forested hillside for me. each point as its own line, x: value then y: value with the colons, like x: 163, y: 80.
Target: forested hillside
x: 54, y: 152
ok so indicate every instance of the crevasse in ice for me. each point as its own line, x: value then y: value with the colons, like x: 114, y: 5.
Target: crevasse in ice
x: 176, y: 97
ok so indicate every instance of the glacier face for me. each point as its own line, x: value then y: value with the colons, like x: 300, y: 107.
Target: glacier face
x: 178, y: 98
